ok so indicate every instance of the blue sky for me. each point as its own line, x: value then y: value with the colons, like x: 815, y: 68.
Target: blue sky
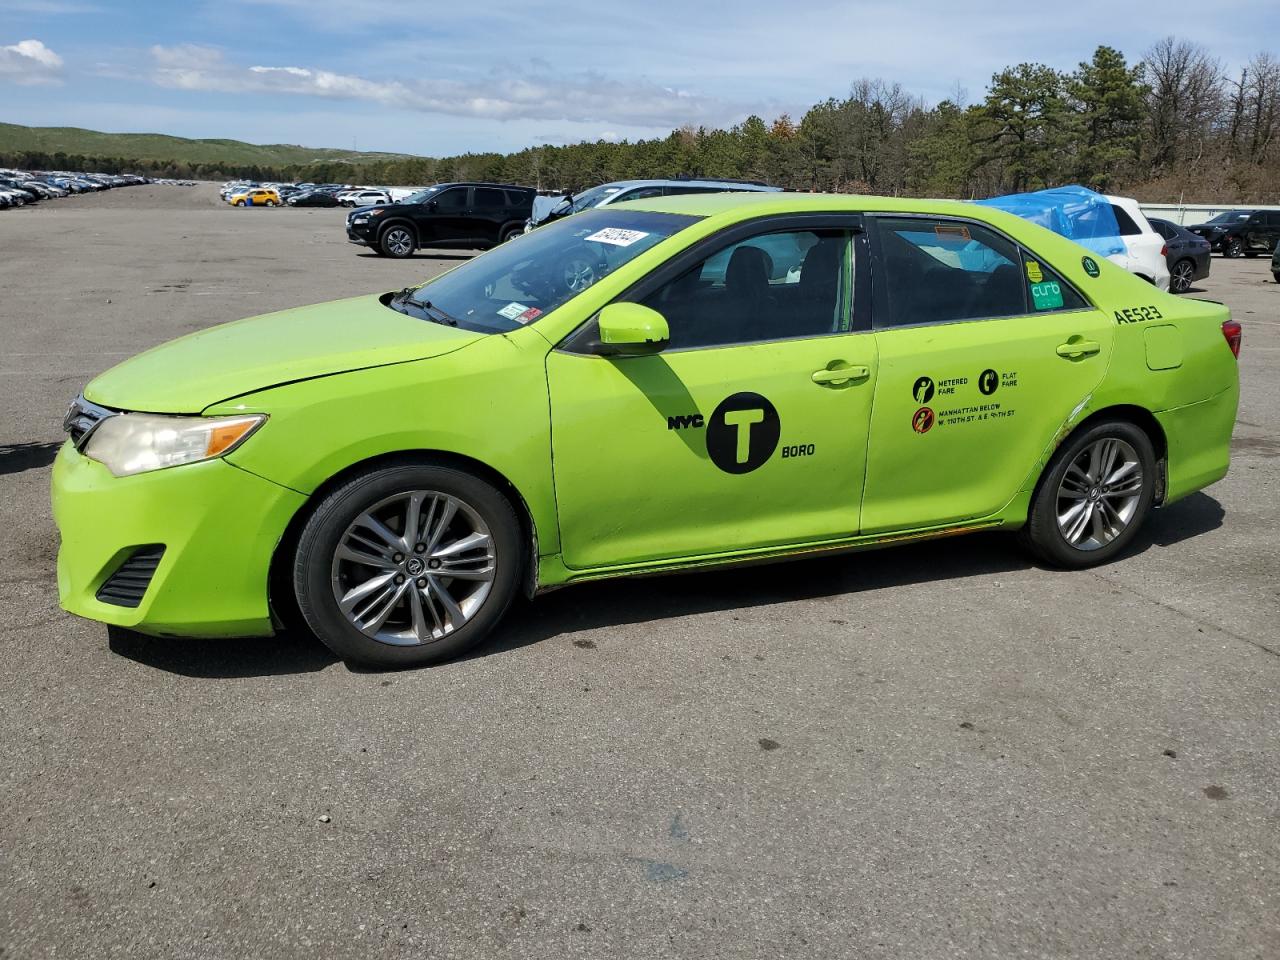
x: 439, y: 78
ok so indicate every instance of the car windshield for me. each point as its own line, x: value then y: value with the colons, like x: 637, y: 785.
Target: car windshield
x: 528, y: 277
x: 421, y: 196
x: 1230, y: 216
x: 588, y: 199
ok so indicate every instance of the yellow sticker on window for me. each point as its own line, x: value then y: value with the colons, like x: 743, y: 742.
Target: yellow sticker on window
x: 1034, y: 273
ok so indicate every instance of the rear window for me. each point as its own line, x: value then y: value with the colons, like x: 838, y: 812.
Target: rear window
x: 1128, y: 228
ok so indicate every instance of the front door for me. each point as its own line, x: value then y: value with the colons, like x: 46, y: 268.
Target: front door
x: 446, y: 219
x: 984, y: 353
x: 748, y: 431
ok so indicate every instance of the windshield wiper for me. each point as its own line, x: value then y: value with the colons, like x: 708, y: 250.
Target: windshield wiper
x: 433, y: 313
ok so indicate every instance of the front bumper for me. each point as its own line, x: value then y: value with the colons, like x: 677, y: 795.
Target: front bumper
x: 219, y: 526
x: 355, y: 236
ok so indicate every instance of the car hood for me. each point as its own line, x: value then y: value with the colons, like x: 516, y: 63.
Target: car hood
x: 191, y: 373
x: 373, y: 206
x: 1222, y: 227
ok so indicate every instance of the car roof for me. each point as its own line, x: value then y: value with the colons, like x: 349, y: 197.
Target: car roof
x: 696, y: 181
x: 760, y: 203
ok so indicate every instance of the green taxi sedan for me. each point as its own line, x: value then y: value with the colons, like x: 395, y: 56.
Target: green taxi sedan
x: 655, y: 386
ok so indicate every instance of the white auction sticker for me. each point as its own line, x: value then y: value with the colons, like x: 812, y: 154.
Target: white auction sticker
x: 617, y: 236
x: 512, y: 310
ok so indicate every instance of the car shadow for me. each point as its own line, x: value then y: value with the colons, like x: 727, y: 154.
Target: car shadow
x: 428, y: 255
x: 614, y: 603
x: 17, y: 457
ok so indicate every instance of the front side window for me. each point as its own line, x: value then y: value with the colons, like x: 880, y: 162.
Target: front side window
x: 452, y: 201
x: 519, y: 282
x: 773, y: 286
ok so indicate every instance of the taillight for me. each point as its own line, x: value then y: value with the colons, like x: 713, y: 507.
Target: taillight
x: 1164, y: 250
x: 1231, y: 329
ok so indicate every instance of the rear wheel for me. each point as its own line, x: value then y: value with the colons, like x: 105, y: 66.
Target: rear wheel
x: 1181, y: 276
x: 1233, y: 248
x: 271, y: 203
x: 408, y: 564
x: 510, y: 234
x: 397, y: 241
x: 1095, y: 494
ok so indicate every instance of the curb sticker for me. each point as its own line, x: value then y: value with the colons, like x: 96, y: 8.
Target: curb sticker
x: 922, y: 420
x: 617, y: 236
x: 1046, y: 296
x: 1090, y: 266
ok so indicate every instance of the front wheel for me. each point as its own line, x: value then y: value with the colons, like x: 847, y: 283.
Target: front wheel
x: 1233, y: 248
x: 397, y: 242
x: 1182, y: 276
x: 409, y: 564
x: 1095, y: 494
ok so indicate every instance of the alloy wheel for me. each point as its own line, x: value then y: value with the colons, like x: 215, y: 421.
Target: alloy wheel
x: 1180, y: 278
x: 578, y: 274
x: 399, y: 242
x: 413, y: 568
x: 1099, y: 494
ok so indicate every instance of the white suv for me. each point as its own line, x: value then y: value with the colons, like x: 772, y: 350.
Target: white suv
x: 1144, y: 253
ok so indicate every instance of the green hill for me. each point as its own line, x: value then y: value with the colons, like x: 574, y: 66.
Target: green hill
x: 75, y: 141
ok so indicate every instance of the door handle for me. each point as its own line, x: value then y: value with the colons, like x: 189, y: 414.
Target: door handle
x: 1077, y: 349
x: 840, y: 372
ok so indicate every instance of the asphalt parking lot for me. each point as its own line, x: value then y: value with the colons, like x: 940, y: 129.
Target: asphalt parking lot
x: 931, y: 751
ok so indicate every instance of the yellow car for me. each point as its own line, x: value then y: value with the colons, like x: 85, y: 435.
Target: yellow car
x: 255, y: 197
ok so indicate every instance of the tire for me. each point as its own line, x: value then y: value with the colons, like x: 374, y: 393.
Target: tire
x: 1275, y: 276
x: 416, y: 616
x: 270, y: 203
x: 1098, y: 540
x: 1181, y: 276
x: 510, y: 233
x: 397, y: 241
x: 1233, y: 248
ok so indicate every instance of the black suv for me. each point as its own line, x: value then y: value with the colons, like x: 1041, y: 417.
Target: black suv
x: 468, y: 215
x: 1241, y: 233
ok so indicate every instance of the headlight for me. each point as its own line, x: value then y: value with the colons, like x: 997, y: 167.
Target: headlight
x: 363, y: 218
x: 130, y: 443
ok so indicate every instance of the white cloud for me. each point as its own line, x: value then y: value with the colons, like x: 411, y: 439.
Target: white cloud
x: 535, y: 94
x: 29, y: 62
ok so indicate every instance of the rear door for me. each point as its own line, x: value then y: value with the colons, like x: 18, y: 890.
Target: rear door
x: 488, y: 213
x: 984, y: 352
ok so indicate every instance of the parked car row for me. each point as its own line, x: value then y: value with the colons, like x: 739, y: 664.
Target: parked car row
x: 248, y: 193
x: 483, y: 215
x: 1241, y: 233
x: 21, y: 187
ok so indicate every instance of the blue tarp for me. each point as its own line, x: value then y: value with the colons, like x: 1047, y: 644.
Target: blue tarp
x: 1074, y: 212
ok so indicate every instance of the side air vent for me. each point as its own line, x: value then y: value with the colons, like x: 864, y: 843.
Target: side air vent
x: 125, y: 587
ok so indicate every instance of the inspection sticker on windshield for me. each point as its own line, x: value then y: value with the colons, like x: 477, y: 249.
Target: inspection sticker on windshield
x: 514, y: 311
x: 617, y: 236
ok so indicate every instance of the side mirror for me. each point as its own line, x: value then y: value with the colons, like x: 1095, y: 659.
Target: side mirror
x: 631, y: 330
x: 432, y: 205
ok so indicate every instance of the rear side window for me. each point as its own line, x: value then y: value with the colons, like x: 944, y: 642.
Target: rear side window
x: 1273, y: 218
x: 1046, y: 289
x: 1128, y: 228
x: 489, y: 199
x: 941, y: 271
x: 639, y: 193
x: 517, y: 199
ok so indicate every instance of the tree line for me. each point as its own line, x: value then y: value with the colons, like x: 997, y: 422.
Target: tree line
x: 1175, y: 125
